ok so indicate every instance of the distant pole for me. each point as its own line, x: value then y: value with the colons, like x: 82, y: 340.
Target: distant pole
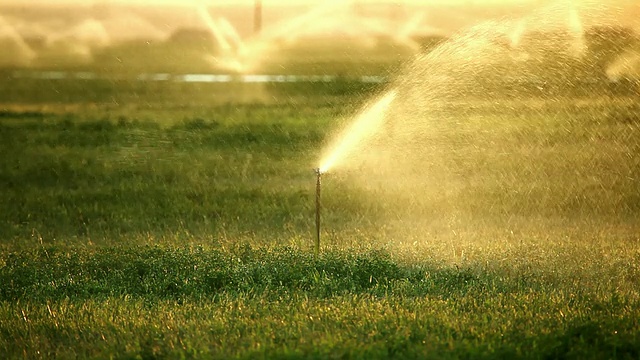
x: 317, y: 245
x: 257, y: 17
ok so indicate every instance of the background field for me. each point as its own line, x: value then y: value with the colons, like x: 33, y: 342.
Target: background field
x: 162, y: 220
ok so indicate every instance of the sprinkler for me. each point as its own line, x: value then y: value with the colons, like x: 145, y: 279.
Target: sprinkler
x: 318, y: 177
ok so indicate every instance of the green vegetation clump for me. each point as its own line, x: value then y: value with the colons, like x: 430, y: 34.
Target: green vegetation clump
x: 161, y: 273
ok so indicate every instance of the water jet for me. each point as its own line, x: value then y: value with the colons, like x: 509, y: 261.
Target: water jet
x: 364, y: 126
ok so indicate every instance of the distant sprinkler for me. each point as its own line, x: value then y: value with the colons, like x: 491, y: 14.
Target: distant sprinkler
x: 318, y: 182
x: 257, y: 17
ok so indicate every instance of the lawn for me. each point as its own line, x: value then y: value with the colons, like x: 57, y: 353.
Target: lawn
x: 175, y: 224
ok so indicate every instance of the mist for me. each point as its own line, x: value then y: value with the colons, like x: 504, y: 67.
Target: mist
x: 213, y: 37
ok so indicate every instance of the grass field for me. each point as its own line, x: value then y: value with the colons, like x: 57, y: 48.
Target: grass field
x: 166, y: 224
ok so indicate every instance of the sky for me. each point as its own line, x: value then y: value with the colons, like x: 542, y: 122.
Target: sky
x: 627, y: 5
x: 265, y: 2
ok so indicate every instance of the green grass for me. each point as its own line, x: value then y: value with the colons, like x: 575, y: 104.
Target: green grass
x: 169, y: 227
x: 66, y: 176
x: 155, y: 302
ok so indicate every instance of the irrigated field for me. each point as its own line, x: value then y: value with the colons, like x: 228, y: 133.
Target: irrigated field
x: 153, y: 224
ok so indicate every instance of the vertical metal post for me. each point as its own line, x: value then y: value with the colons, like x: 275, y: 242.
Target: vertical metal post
x: 317, y: 244
x: 257, y: 17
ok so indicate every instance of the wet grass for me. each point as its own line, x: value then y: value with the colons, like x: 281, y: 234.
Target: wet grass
x: 150, y: 230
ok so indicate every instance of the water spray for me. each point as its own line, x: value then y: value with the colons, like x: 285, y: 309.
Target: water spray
x: 318, y: 182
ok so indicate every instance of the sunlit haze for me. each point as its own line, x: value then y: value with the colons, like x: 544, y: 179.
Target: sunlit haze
x: 417, y: 179
x: 265, y: 2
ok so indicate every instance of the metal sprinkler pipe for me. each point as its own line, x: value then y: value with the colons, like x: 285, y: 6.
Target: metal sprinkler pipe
x: 317, y: 244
